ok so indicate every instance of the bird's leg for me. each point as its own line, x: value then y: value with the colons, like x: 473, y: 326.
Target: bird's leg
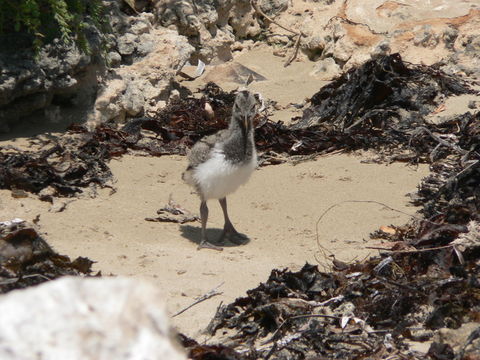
x: 228, y: 228
x: 204, y: 243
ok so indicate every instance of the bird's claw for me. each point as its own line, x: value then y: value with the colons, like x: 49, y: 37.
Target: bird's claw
x: 205, y: 244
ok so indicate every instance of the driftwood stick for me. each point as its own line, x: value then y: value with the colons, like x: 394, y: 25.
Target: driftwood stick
x: 438, y: 139
x: 200, y: 299
x: 294, y: 55
x: 274, y: 335
x: 306, y: 316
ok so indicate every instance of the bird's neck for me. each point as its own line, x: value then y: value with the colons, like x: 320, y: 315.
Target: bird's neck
x: 240, y: 143
x: 235, y: 123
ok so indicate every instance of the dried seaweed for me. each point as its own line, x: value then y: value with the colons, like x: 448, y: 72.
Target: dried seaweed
x: 208, y: 352
x: 26, y: 259
x: 174, y: 212
x: 426, y: 279
x: 381, y: 103
x: 364, y: 310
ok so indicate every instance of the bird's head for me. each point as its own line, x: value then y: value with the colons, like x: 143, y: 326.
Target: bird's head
x: 245, y: 108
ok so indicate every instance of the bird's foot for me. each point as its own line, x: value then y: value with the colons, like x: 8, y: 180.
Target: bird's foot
x: 233, y: 235
x: 205, y: 244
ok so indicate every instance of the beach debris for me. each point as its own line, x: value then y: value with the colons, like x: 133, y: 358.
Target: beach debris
x: 174, y: 212
x: 233, y: 72
x: 426, y: 277
x: 368, y: 309
x: 65, y: 168
x: 26, y: 259
x: 382, y: 94
x: 191, y: 72
x: 197, y: 351
x: 213, y: 292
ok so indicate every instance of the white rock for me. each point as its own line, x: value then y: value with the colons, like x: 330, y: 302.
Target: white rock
x: 146, y: 83
x: 133, y: 98
x: 77, y: 318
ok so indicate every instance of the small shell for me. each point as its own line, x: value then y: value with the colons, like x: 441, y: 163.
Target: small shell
x: 209, y: 110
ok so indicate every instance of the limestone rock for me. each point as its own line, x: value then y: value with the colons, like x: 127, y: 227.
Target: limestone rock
x: 79, y: 318
x: 211, y: 27
x: 273, y: 7
x: 126, y: 44
x: 144, y: 86
x: 326, y: 69
x: 114, y: 59
x: 350, y: 32
x: 457, y: 338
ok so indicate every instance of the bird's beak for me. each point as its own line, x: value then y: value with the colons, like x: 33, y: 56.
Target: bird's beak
x: 245, y: 122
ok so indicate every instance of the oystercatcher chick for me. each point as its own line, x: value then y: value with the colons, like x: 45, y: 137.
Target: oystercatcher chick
x: 220, y: 163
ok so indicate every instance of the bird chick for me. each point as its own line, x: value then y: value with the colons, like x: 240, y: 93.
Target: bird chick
x: 220, y: 163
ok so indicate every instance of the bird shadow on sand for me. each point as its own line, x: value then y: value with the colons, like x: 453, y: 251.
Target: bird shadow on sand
x: 193, y: 233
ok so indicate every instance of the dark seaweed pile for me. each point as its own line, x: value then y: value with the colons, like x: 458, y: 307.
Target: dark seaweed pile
x: 382, y: 102
x: 363, y: 310
x: 26, y: 259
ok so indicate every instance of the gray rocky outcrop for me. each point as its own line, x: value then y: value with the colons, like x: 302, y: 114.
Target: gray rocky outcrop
x: 78, y: 318
x: 61, y: 74
x: 132, y: 77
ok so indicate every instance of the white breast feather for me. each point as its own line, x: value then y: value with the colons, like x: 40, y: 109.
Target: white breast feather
x: 217, y: 177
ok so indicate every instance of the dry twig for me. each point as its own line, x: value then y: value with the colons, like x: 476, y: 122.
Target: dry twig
x: 198, y: 300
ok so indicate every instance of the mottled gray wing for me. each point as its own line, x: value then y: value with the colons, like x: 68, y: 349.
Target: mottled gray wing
x: 200, y: 152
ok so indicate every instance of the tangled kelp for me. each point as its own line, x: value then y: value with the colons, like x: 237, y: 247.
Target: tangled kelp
x: 363, y: 310
x: 427, y: 275
x: 26, y: 259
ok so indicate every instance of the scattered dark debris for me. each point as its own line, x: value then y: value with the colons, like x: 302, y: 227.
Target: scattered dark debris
x: 64, y: 168
x: 382, y: 101
x: 439, y: 351
x: 26, y: 259
x: 427, y: 275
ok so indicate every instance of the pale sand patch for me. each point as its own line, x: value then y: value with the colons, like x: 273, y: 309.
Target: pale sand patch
x: 277, y: 209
